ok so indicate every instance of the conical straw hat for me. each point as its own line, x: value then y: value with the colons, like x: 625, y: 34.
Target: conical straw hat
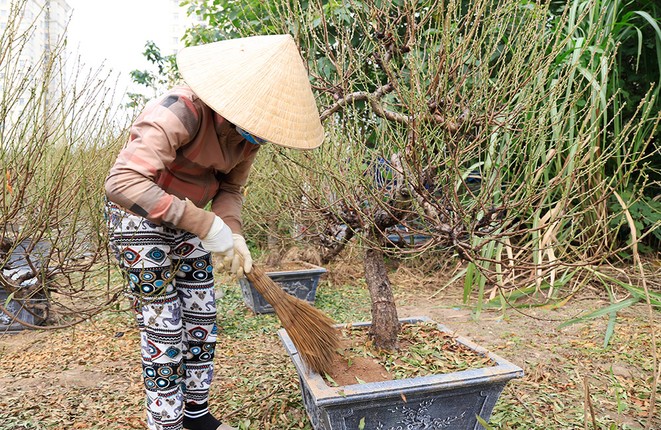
x: 258, y: 83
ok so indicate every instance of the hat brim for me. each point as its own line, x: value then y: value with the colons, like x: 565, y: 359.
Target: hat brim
x: 258, y: 83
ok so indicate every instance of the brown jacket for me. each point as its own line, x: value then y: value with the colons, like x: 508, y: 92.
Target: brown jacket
x: 181, y: 155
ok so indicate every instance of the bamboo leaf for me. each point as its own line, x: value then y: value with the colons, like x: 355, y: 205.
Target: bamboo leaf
x: 600, y: 312
x: 461, y: 273
x: 468, y: 281
x: 483, y: 423
x: 651, y: 21
x: 331, y: 380
x: 10, y: 297
x: 655, y: 298
x: 612, y: 318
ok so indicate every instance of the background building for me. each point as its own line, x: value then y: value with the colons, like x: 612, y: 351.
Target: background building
x: 105, y: 40
x: 180, y: 21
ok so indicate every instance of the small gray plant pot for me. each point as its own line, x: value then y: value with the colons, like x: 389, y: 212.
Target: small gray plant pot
x: 301, y: 283
x: 444, y: 401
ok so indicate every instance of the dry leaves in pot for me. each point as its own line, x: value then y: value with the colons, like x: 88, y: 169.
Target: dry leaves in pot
x: 424, y: 350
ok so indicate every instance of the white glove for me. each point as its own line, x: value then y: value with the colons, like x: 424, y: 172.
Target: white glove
x: 219, y: 239
x: 242, y: 261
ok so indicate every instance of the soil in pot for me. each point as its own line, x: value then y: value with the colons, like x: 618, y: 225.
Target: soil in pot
x: 287, y: 266
x: 424, y: 350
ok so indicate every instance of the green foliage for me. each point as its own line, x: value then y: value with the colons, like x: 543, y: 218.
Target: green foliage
x: 164, y: 76
x: 230, y: 19
x: 497, y: 129
x: 637, y: 295
x: 646, y: 215
x: 629, y: 37
x: 549, y: 126
x: 235, y: 321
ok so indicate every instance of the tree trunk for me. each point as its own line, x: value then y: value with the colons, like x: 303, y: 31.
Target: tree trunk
x: 385, y: 323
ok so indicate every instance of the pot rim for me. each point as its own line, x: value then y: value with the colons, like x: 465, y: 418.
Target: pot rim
x: 502, y: 372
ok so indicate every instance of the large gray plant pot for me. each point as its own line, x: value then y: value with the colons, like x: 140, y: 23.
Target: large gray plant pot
x: 25, y: 268
x: 445, y: 401
x: 32, y: 311
x: 301, y: 283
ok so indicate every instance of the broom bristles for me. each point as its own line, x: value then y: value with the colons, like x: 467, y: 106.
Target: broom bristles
x: 311, y: 331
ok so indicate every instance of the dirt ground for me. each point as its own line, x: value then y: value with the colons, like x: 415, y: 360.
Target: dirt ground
x: 571, y: 380
x: 88, y: 377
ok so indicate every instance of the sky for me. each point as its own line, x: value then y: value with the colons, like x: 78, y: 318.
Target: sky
x: 113, y: 33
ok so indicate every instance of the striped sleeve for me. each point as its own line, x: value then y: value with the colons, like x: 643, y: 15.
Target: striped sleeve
x: 163, y: 127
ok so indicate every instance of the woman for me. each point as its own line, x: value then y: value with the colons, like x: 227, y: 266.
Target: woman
x: 192, y: 149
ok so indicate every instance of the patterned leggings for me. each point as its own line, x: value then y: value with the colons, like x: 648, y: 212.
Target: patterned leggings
x: 170, y: 283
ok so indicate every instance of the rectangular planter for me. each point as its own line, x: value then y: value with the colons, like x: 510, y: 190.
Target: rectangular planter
x: 24, y: 268
x: 444, y: 401
x: 30, y: 311
x: 301, y: 283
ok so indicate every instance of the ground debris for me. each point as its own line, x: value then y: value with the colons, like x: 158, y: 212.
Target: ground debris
x: 88, y: 376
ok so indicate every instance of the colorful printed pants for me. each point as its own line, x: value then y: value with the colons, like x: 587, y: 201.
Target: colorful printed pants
x: 170, y: 282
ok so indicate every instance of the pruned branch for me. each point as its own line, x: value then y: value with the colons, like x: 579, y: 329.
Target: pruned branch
x: 361, y: 96
x: 374, y: 99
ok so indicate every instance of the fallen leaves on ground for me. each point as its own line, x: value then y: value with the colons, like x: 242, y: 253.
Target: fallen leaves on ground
x: 88, y: 376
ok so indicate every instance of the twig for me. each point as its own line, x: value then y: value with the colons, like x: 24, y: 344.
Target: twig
x: 588, y: 405
x: 247, y: 405
x: 643, y: 279
x: 522, y: 403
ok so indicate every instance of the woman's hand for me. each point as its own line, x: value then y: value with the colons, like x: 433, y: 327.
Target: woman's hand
x: 219, y: 239
x: 242, y: 261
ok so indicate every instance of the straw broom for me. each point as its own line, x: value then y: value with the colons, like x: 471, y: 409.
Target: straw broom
x: 311, y: 331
